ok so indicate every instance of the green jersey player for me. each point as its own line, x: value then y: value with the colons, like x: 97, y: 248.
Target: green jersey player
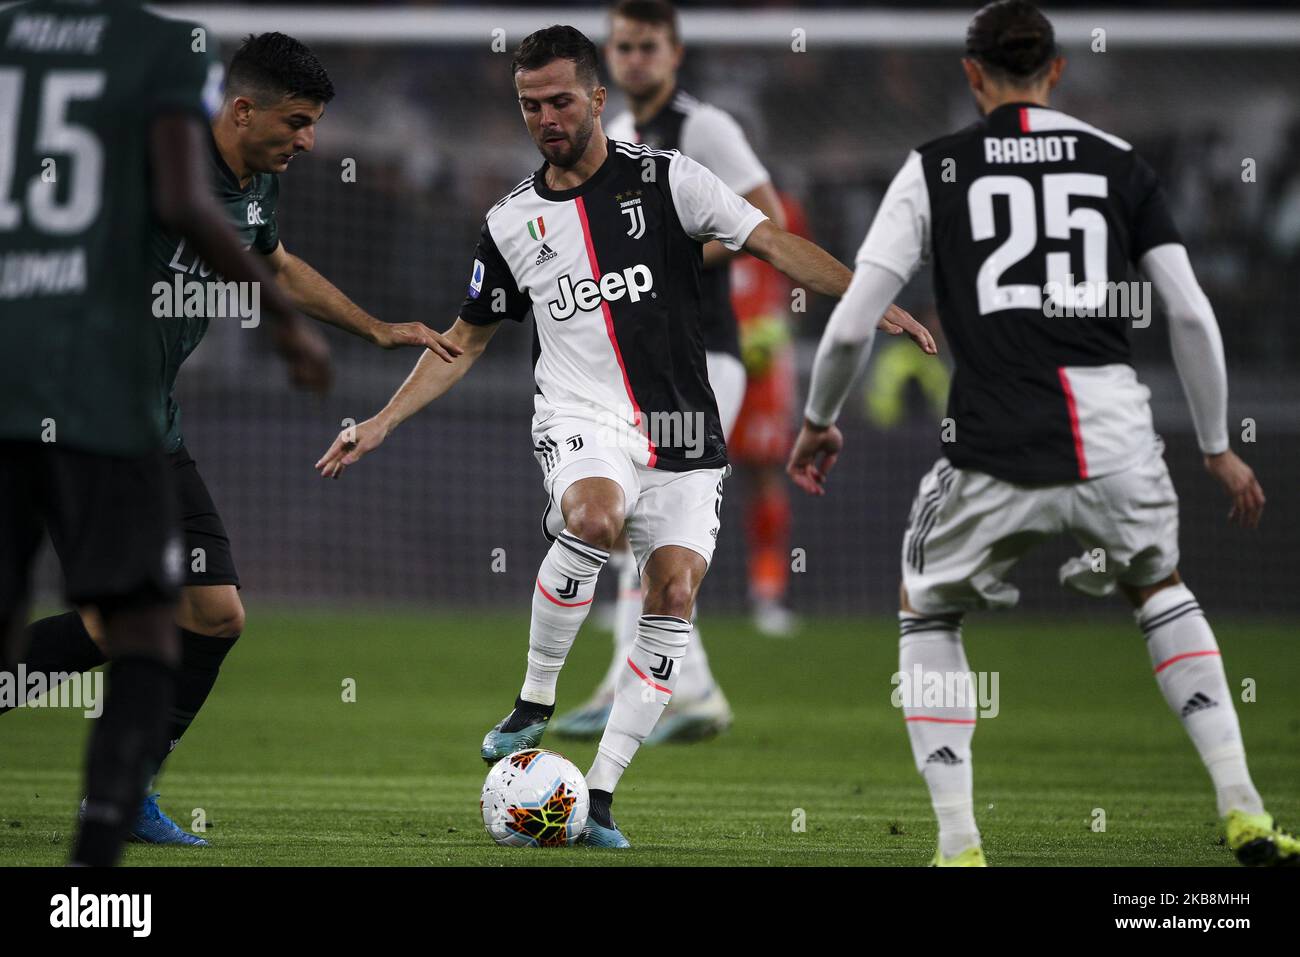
x: 276, y: 93
x: 101, y: 111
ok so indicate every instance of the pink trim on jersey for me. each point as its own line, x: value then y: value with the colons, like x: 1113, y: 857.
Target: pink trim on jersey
x: 1074, y: 422
x: 1190, y: 654
x: 944, y: 720
x: 609, y: 322
x: 1024, y: 120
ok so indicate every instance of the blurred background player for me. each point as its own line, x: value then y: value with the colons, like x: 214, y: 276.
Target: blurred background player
x: 764, y: 430
x: 644, y: 52
x: 275, y: 95
x: 122, y: 96
x: 1053, y: 431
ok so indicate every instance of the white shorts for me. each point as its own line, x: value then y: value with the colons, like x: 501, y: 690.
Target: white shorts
x: 660, y: 507
x: 727, y: 379
x: 967, y: 529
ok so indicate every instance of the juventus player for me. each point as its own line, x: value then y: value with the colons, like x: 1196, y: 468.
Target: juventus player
x: 644, y: 52
x: 1053, y: 430
x: 603, y: 244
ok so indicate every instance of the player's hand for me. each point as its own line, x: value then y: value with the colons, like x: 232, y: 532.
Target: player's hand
x: 813, y: 457
x: 306, y: 353
x: 352, y: 443
x: 393, y: 335
x: 896, y: 321
x: 1238, y: 479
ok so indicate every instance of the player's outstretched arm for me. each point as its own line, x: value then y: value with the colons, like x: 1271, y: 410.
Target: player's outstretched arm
x: 842, y: 353
x: 321, y: 299
x: 432, y: 377
x: 814, y: 268
x: 1198, y: 355
x: 764, y: 198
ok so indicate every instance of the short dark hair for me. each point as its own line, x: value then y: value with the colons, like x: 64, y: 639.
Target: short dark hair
x: 274, y: 66
x: 558, y: 43
x: 655, y: 12
x: 1013, y: 39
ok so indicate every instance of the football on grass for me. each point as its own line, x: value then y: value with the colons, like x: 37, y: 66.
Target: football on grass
x: 534, y: 798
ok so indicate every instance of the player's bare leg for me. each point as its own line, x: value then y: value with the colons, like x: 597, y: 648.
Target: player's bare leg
x: 1189, y: 670
x: 941, y: 736
x: 593, y: 510
x: 672, y: 577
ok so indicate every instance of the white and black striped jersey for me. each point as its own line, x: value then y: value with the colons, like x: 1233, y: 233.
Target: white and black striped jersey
x: 611, y: 272
x: 713, y: 139
x: 1008, y: 208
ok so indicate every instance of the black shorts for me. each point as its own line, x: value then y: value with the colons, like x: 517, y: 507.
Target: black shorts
x: 208, y: 560
x: 113, y: 521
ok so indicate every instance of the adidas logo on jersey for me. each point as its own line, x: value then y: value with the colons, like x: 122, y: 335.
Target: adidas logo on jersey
x: 587, y: 294
x: 1198, y: 702
x: 944, y: 755
x: 545, y: 255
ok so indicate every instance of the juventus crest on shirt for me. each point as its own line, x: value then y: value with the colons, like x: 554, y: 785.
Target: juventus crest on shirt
x: 1026, y: 200
x: 611, y: 272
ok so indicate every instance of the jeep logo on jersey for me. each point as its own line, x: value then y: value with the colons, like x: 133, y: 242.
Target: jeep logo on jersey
x: 586, y: 294
x: 255, y: 214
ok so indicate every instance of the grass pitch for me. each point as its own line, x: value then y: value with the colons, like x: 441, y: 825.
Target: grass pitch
x: 288, y: 773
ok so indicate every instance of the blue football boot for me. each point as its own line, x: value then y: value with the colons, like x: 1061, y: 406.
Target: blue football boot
x: 522, y: 728
x: 152, y: 826
x: 601, y: 831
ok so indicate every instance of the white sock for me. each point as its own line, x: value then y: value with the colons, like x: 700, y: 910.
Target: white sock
x: 646, y: 683
x: 562, y: 597
x: 1190, y: 673
x: 627, y: 613
x: 697, y: 680
x: 941, y: 736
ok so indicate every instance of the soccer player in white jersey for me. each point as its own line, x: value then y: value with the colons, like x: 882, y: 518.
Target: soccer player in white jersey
x: 1053, y: 430
x: 644, y: 52
x: 602, y: 244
